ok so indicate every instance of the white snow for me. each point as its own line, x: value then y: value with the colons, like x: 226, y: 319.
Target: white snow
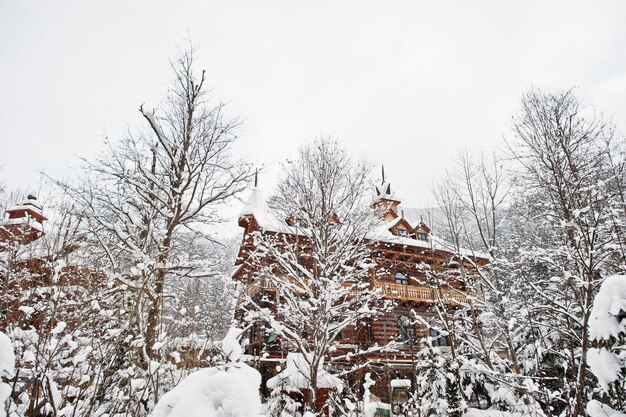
x: 597, y: 409
x: 255, y: 205
x: 474, y: 412
x: 27, y: 205
x: 27, y: 310
x: 61, y: 325
x: 381, y: 191
x: 228, y: 391
x: 611, y: 299
x: 604, y: 324
x: 230, y: 345
x: 383, y: 234
x: 605, y: 366
x: 175, y: 356
x: 24, y: 220
x: 7, y: 368
x: 298, y: 375
x: 400, y: 383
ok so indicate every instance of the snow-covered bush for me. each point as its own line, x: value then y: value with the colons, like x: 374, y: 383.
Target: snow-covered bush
x: 230, y: 390
x: 607, y: 330
x: 7, y: 368
x: 224, y: 391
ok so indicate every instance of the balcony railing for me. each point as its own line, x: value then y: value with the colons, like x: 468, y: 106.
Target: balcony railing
x: 392, y: 290
x: 424, y: 294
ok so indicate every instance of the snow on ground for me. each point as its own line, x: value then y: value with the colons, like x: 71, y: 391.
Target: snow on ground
x: 474, y: 412
x: 231, y: 390
x: 7, y: 367
x: 597, y: 409
x: 297, y: 375
x: 224, y: 391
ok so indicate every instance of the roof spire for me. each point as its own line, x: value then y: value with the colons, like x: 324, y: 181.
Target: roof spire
x: 256, y: 177
x: 383, y: 170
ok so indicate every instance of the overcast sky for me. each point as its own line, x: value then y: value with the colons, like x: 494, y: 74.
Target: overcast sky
x: 403, y: 83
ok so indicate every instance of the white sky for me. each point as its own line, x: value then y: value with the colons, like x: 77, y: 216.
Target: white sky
x: 403, y: 83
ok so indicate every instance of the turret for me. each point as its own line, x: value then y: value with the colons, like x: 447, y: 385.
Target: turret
x: 252, y: 212
x: 24, y: 224
x: 385, y: 200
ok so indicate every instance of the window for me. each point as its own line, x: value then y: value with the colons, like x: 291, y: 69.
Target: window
x: 301, y: 268
x: 422, y: 236
x: 403, y: 233
x: 401, y: 278
x: 301, y: 223
x: 368, y: 326
x: 362, y: 331
x: 406, y: 330
x: 438, y: 339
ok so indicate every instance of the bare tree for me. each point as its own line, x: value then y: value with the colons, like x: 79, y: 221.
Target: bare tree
x: 320, y: 264
x: 473, y: 200
x: 150, y: 195
x: 572, y: 164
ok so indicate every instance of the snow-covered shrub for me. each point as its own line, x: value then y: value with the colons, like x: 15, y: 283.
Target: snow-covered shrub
x: 230, y: 390
x: 607, y: 330
x: 7, y: 368
x: 433, y: 379
x: 223, y: 391
x: 280, y: 403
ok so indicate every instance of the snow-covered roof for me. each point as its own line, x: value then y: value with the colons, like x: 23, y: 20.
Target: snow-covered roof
x: 255, y: 203
x: 391, y: 223
x: 297, y: 375
x: 267, y: 221
x: 400, y: 383
x: 23, y: 220
x: 383, y: 234
x: 29, y: 204
x: 256, y: 206
x: 384, y: 191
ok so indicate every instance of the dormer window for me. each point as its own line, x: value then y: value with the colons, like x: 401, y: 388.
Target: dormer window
x: 301, y: 223
x: 403, y: 233
x: 422, y: 236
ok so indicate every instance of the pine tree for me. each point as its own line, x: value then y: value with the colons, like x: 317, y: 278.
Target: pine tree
x: 431, y: 381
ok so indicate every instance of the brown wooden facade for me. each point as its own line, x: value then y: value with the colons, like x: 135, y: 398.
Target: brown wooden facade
x: 411, y: 270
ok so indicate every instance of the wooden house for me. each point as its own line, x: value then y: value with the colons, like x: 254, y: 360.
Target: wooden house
x: 407, y: 258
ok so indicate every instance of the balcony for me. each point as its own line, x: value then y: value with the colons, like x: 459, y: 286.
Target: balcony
x: 424, y: 294
x: 416, y: 293
x: 261, y: 286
